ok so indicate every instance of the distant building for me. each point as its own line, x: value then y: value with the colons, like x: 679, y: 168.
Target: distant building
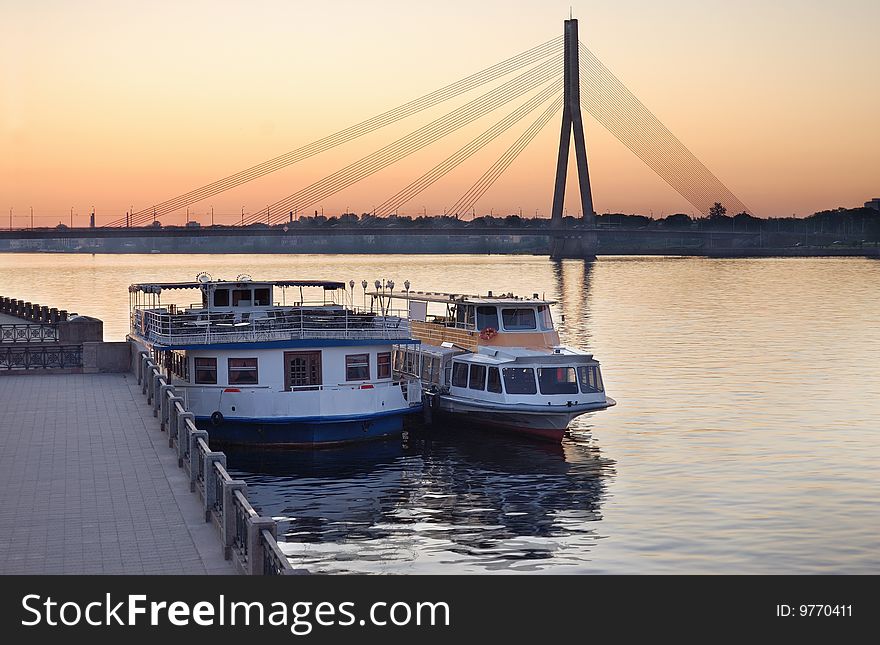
x: 874, y: 203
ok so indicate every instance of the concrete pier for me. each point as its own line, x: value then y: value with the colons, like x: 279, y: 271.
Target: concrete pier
x: 90, y: 486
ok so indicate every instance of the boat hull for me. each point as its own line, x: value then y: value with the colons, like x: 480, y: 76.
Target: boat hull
x: 307, y: 433
x: 525, y: 420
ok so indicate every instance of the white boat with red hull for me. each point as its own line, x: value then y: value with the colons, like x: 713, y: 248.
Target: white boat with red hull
x: 497, y: 361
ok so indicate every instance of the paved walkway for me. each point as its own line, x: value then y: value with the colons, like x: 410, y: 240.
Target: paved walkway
x: 90, y: 485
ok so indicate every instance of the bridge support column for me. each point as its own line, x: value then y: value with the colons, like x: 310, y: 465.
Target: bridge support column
x: 572, y: 124
x: 580, y: 246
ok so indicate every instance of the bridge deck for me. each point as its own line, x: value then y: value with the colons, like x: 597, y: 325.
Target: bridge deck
x: 90, y: 486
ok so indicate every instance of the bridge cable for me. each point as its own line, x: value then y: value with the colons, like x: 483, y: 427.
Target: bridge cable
x: 627, y: 118
x: 648, y: 125
x: 416, y: 140
x: 403, y: 196
x: 467, y: 201
x: 631, y: 130
x: 426, y: 101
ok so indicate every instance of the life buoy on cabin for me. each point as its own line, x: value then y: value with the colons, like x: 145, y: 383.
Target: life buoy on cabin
x: 488, y: 333
x: 216, y: 418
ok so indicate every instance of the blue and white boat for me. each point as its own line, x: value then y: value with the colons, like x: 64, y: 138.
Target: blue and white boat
x: 260, y: 363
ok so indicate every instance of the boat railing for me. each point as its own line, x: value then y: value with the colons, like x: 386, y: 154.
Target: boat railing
x: 409, y: 386
x: 248, y: 539
x: 160, y: 326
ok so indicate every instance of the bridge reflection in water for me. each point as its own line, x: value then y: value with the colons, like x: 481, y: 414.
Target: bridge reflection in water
x: 436, y: 502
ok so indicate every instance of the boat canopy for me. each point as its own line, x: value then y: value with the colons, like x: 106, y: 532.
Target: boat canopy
x: 460, y: 298
x: 158, y: 287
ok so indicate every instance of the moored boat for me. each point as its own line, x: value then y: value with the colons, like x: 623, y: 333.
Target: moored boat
x: 258, y: 362
x: 497, y: 361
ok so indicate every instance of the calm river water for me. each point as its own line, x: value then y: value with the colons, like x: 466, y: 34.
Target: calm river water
x: 745, y: 439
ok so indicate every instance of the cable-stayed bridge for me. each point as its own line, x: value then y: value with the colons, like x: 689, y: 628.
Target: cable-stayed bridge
x: 526, y: 92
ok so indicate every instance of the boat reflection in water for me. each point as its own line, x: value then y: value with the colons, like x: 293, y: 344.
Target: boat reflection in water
x: 437, y: 502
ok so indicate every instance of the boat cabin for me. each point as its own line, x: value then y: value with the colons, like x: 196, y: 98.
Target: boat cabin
x: 472, y: 321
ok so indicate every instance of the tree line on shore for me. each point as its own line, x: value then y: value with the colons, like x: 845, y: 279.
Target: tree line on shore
x: 861, y: 223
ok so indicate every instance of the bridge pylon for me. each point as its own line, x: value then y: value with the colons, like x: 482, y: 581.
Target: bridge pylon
x: 572, y: 123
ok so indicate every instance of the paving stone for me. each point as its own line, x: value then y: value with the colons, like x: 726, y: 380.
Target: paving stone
x: 90, y: 483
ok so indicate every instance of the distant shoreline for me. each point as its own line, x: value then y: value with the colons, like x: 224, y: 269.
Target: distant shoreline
x: 716, y: 253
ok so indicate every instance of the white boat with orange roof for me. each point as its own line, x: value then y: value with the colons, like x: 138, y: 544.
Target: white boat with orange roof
x: 497, y: 361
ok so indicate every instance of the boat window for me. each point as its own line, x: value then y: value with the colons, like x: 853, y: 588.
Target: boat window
x: 557, y: 380
x: 357, y: 367
x: 518, y: 319
x: 241, y: 297
x: 243, y: 371
x: 426, y: 367
x: 519, y: 380
x: 464, y: 316
x: 383, y: 365
x: 487, y: 317
x: 494, y: 382
x: 409, y: 360
x: 459, y: 374
x: 590, y: 379
x: 261, y: 298
x: 221, y: 298
x: 478, y: 377
x: 206, y: 371
x: 545, y: 318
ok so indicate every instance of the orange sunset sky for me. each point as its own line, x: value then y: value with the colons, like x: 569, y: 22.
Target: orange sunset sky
x: 123, y: 104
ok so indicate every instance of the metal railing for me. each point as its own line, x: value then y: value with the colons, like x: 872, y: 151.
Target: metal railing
x: 274, y: 560
x: 242, y: 512
x: 200, y: 327
x: 32, y: 358
x: 247, y: 538
x: 409, y: 386
x: 28, y: 333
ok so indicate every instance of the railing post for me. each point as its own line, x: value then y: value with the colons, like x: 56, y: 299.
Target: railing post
x: 255, y: 543
x: 182, y: 438
x: 142, y: 367
x: 227, y: 534
x: 145, y: 386
x: 173, y: 426
x: 158, y: 382
x: 164, y: 391
x: 210, y: 490
x: 194, y: 457
x: 151, y: 389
